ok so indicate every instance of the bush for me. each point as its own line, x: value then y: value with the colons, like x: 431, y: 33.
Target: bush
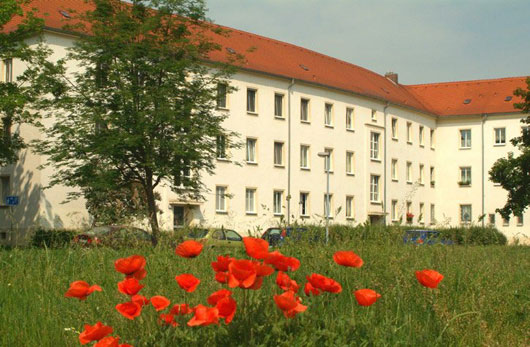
x: 52, y: 238
x: 474, y: 235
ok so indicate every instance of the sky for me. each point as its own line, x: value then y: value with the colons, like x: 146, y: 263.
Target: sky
x: 424, y: 41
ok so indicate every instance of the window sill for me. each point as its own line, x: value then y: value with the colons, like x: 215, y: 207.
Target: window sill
x: 465, y: 148
x: 464, y: 185
x: 305, y: 169
x: 278, y: 215
x: 395, y: 139
x: 409, y: 182
x: 395, y: 180
x: 330, y: 172
x: 409, y: 142
x: 221, y: 212
x: 305, y: 122
x: 422, y: 146
x: 350, y: 218
x: 520, y: 225
x: 304, y: 216
x: 225, y: 160
x: 251, y: 213
x: 218, y: 108
x: 350, y: 174
x: 279, y: 117
x: 499, y: 145
x: 376, y: 160
x: 252, y: 163
x: 376, y: 202
x: 279, y: 166
x: 422, y: 184
x: 329, y: 126
x: 506, y: 225
x: 432, y: 148
x: 351, y: 130
x: 250, y: 113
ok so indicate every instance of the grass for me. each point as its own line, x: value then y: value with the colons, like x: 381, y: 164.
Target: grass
x: 484, y: 298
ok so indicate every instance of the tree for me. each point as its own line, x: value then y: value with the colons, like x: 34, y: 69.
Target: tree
x: 141, y: 110
x: 16, y: 96
x: 513, y: 172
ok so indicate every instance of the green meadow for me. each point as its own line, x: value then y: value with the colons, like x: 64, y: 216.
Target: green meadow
x: 484, y: 299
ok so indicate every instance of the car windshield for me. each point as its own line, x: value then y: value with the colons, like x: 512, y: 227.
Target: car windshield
x: 197, y: 233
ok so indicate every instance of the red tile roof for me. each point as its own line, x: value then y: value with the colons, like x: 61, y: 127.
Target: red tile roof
x: 278, y: 58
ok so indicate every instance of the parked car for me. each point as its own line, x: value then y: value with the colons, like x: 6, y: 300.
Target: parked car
x: 113, y: 235
x: 424, y: 237
x: 276, y: 236
x: 217, y: 237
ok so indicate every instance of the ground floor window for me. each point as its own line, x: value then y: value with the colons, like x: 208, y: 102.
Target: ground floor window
x: 178, y: 217
x: 465, y: 213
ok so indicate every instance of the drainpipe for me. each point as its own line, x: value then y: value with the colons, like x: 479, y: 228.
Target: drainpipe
x: 484, y: 116
x: 384, y: 165
x: 289, y: 90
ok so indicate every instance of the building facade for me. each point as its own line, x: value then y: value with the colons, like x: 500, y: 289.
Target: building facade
x: 392, y: 150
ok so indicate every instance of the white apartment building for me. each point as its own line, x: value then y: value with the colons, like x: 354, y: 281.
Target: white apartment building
x: 393, y: 149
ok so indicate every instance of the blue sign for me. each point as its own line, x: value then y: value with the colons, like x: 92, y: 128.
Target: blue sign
x: 11, y: 200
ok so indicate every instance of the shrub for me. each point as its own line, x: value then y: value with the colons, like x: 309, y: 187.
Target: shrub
x: 52, y: 238
x: 474, y: 235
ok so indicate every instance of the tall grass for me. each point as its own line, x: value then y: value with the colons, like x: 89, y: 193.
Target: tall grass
x: 484, y: 298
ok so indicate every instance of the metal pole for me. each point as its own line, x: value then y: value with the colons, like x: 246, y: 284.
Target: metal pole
x: 327, y: 199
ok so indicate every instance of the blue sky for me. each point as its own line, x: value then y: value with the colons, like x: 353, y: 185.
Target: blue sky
x: 423, y: 40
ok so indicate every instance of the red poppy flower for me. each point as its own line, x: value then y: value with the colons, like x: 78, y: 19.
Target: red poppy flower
x: 159, y: 302
x: 282, y: 262
x: 347, y: 258
x: 204, y: 316
x: 262, y: 269
x: 132, y: 266
x: 180, y: 310
x: 324, y: 283
x: 256, y: 248
x: 221, y: 265
x: 188, y: 282
x: 130, y: 286
x: 218, y: 295
x: 167, y: 319
x: 309, y: 289
x: 286, y: 283
x: 189, y: 249
x: 429, y: 278
x: 110, y: 341
x: 242, y: 273
x: 289, y: 304
x: 129, y: 310
x: 140, y: 299
x: 366, y: 297
x: 227, y: 308
x: 221, y: 277
x: 81, y: 289
x: 94, y: 333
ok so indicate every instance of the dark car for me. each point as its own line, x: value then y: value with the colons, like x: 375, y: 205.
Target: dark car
x: 424, y: 237
x: 113, y: 235
x: 277, y: 236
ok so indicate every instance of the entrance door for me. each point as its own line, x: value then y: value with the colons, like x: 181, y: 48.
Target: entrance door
x: 376, y: 220
x: 178, y: 217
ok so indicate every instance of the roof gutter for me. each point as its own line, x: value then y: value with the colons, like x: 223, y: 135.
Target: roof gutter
x: 385, y: 164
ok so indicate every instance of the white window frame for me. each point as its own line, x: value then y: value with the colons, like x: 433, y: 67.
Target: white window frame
x: 375, y: 189
x: 409, y: 172
x: 304, y: 204
x: 505, y: 222
x: 433, y: 214
x: 374, y: 115
x: 422, y: 174
x: 375, y: 145
x: 519, y: 220
x: 221, y: 152
x: 328, y: 160
x: 350, y: 118
x: 304, y: 157
x: 465, y: 175
x: 394, y: 128
x: 277, y: 202
x: 304, y: 110
x: 421, y: 216
x: 349, y: 207
x: 222, y: 96
x: 6, y: 70
x: 250, y: 201
x: 421, y: 135
x: 491, y: 219
x: 252, y: 151
x: 328, y: 206
x: 279, y: 111
x: 462, y: 219
x: 350, y: 163
x: 465, y: 138
x: 432, y: 138
x: 409, y: 132
x: 252, y: 110
x: 499, y: 136
x: 328, y: 115
x: 394, y: 169
x: 432, y: 176
x: 220, y: 199
x: 393, y: 210
x: 280, y: 162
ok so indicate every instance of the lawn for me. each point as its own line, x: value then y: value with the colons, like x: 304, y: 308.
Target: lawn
x: 484, y: 298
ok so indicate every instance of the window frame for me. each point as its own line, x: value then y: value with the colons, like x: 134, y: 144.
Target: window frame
x: 222, y: 95
x: 393, y: 210
x: 305, y: 205
x: 349, y: 207
x: 394, y: 128
x: 375, y: 146
x: 350, y: 163
x: 281, y: 109
x: 408, y: 176
x: 329, y: 205
x: 394, y: 170
x: 422, y: 174
x: 218, y: 198
x: 329, y: 162
x: 421, y: 136
x: 221, y: 144
x: 421, y: 214
x: 254, y: 103
x: 328, y: 115
x: 282, y: 154
x: 464, y: 139
x: 465, y: 171
x: 307, y: 157
x: 409, y: 133
x: 433, y: 214
x: 274, y: 202
x: 375, y: 189
x: 253, y: 192
x: 350, y: 118
x: 495, y: 142
x: 255, y: 150
x: 305, y: 105
x: 462, y: 221
x: 432, y: 138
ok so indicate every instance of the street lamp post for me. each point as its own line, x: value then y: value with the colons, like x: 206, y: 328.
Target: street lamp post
x: 327, y: 164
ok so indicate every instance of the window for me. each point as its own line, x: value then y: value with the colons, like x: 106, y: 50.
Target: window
x: 465, y: 138
x: 251, y: 150
x: 409, y: 172
x: 393, y: 210
x: 349, y: 207
x: 374, y: 116
x: 409, y: 207
x: 221, y: 147
x: 218, y: 235
x: 277, y: 202
x: 433, y: 215
x: 183, y: 175
x: 421, y: 136
x: 349, y: 118
x: 304, y: 156
x: 221, y: 95
x: 278, y: 105
x: 328, y: 205
x: 465, y: 176
x: 374, y: 188
x: 409, y: 132
x: 519, y: 220
x: 232, y: 236
x: 304, y: 110
x: 432, y: 138
x: 491, y: 218
x: 465, y: 214
x: 6, y: 70
x: 4, y: 189
x: 349, y: 163
x: 328, y: 160
x: 422, y: 181
x: 394, y: 169
x: 374, y: 145
x: 250, y: 201
x: 278, y: 153
x: 220, y: 197
x: 500, y: 136
x: 421, y: 217
x: 251, y: 100
x: 394, y: 128
x: 432, y: 177
x: 328, y: 115
x: 304, y: 204
x: 505, y: 222
x: 179, y: 219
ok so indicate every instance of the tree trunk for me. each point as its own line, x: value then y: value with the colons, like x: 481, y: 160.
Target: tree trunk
x: 151, y: 207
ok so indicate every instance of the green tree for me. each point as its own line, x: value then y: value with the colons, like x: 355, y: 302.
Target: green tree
x: 141, y: 110
x: 16, y: 96
x: 513, y: 172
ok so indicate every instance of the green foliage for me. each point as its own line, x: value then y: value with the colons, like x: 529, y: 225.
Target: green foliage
x: 474, y: 235
x: 513, y: 172
x: 52, y: 238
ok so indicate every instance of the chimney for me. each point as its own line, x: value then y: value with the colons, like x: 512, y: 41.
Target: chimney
x: 392, y: 76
